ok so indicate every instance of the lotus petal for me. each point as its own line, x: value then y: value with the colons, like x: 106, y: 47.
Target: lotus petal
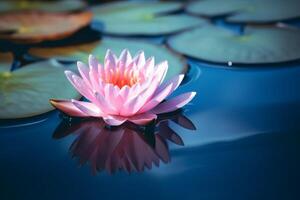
x: 174, y: 103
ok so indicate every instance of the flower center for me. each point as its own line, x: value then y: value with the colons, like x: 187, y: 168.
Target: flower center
x: 121, y: 79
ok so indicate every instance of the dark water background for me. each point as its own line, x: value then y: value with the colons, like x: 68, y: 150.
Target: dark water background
x: 246, y: 145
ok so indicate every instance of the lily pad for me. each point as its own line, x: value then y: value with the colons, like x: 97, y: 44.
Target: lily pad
x: 6, y: 60
x: 257, y: 44
x: 49, y: 6
x: 143, y: 18
x: 26, y: 92
x: 256, y: 11
x: 177, y: 64
x: 31, y: 27
x: 134, y: 9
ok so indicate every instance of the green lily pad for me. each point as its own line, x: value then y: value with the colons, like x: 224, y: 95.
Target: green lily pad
x: 256, y: 11
x: 49, y: 6
x: 134, y: 9
x: 213, y: 8
x: 33, y: 27
x: 177, y: 64
x: 256, y: 45
x: 157, y: 26
x: 26, y: 92
x: 6, y: 60
x: 143, y: 18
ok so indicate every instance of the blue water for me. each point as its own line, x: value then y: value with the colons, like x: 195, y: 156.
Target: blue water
x: 245, y: 145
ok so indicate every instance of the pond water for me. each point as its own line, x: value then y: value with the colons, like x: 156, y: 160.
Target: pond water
x: 245, y: 145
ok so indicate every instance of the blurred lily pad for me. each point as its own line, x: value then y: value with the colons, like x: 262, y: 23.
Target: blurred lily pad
x: 32, y: 27
x: 49, y: 6
x: 143, y: 18
x: 6, y: 60
x: 256, y: 11
x: 26, y: 92
x: 257, y: 45
x: 177, y: 64
x: 134, y: 9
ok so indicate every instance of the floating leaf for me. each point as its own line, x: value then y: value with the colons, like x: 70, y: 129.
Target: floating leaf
x: 49, y: 6
x: 26, y: 92
x: 257, y: 11
x: 30, y: 27
x: 6, y: 60
x: 156, y: 26
x: 256, y: 45
x: 177, y: 64
x: 134, y: 9
x: 143, y: 18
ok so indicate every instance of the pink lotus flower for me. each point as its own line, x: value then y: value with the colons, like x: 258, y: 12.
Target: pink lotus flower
x: 124, y: 89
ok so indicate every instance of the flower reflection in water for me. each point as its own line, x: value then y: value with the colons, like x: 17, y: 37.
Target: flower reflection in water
x: 129, y: 147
